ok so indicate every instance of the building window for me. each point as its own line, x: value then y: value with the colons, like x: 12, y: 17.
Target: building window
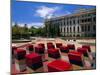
x: 78, y: 35
x: 73, y: 35
x: 64, y: 22
x: 67, y: 29
x: 74, y: 29
x: 70, y: 29
x: 78, y: 21
x: 94, y: 28
x: 64, y: 29
x: 70, y: 22
x: 78, y: 28
x: 73, y: 21
x: 82, y: 20
x: 85, y: 20
x: 88, y: 27
x: 85, y: 27
x: 82, y: 28
x: 67, y: 22
x: 89, y: 19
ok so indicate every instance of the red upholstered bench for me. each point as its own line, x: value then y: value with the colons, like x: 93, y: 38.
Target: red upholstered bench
x: 87, y: 46
x: 20, y: 54
x: 54, y: 53
x: 42, y: 44
x: 75, y: 58
x: 59, y: 65
x: 30, y: 47
x: 64, y: 49
x: 84, y: 51
x: 71, y: 46
x: 34, y: 61
x: 39, y: 49
x: 58, y: 45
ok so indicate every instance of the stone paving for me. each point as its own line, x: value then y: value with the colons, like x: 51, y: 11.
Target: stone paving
x: 58, y: 40
x: 55, y: 40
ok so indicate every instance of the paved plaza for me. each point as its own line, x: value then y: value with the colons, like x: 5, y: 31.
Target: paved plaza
x: 58, y: 40
x: 64, y: 57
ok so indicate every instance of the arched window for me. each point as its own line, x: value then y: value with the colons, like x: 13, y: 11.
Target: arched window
x: 82, y: 28
x: 78, y: 35
x: 74, y: 29
x: 88, y: 27
x: 64, y: 29
x: 67, y: 29
x: 70, y: 29
x: 78, y: 29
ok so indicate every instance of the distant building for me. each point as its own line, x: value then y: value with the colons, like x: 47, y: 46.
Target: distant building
x: 79, y: 24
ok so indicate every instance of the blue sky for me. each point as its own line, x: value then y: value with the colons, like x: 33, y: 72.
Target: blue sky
x: 34, y: 13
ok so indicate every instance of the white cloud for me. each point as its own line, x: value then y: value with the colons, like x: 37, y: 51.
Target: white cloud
x: 60, y: 13
x: 46, y: 12
x: 36, y: 24
x: 67, y: 13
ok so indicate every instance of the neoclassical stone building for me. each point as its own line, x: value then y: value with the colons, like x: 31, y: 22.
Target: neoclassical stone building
x: 80, y: 24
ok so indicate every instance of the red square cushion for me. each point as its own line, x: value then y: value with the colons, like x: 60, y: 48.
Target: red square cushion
x: 53, y: 51
x: 59, y: 65
x: 50, y: 46
x: 64, y: 48
x: 71, y: 46
x: 74, y: 55
x: 20, y: 52
x: 41, y: 44
x: 87, y: 46
x: 82, y: 50
x: 39, y: 49
x: 33, y: 58
x: 30, y: 46
x: 58, y: 45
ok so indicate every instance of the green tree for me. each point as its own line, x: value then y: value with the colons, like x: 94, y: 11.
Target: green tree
x: 15, y: 31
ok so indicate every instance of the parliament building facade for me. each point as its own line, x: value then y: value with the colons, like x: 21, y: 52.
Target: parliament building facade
x: 80, y: 24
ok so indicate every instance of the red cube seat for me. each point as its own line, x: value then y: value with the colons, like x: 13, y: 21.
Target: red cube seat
x: 30, y: 47
x: 87, y: 46
x: 64, y: 49
x: 71, y: 46
x: 54, y: 53
x: 50, y: 45
x: 41, y: 44
x: 84, y: 51
x: 39, y: 49
x: 75, y: 58
x: 58, y: 45
x: 34, y: 60
x: 59, y: 65
x: 20, y: 54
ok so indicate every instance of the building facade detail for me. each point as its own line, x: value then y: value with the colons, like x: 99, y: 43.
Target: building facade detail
x: 81, y: 24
